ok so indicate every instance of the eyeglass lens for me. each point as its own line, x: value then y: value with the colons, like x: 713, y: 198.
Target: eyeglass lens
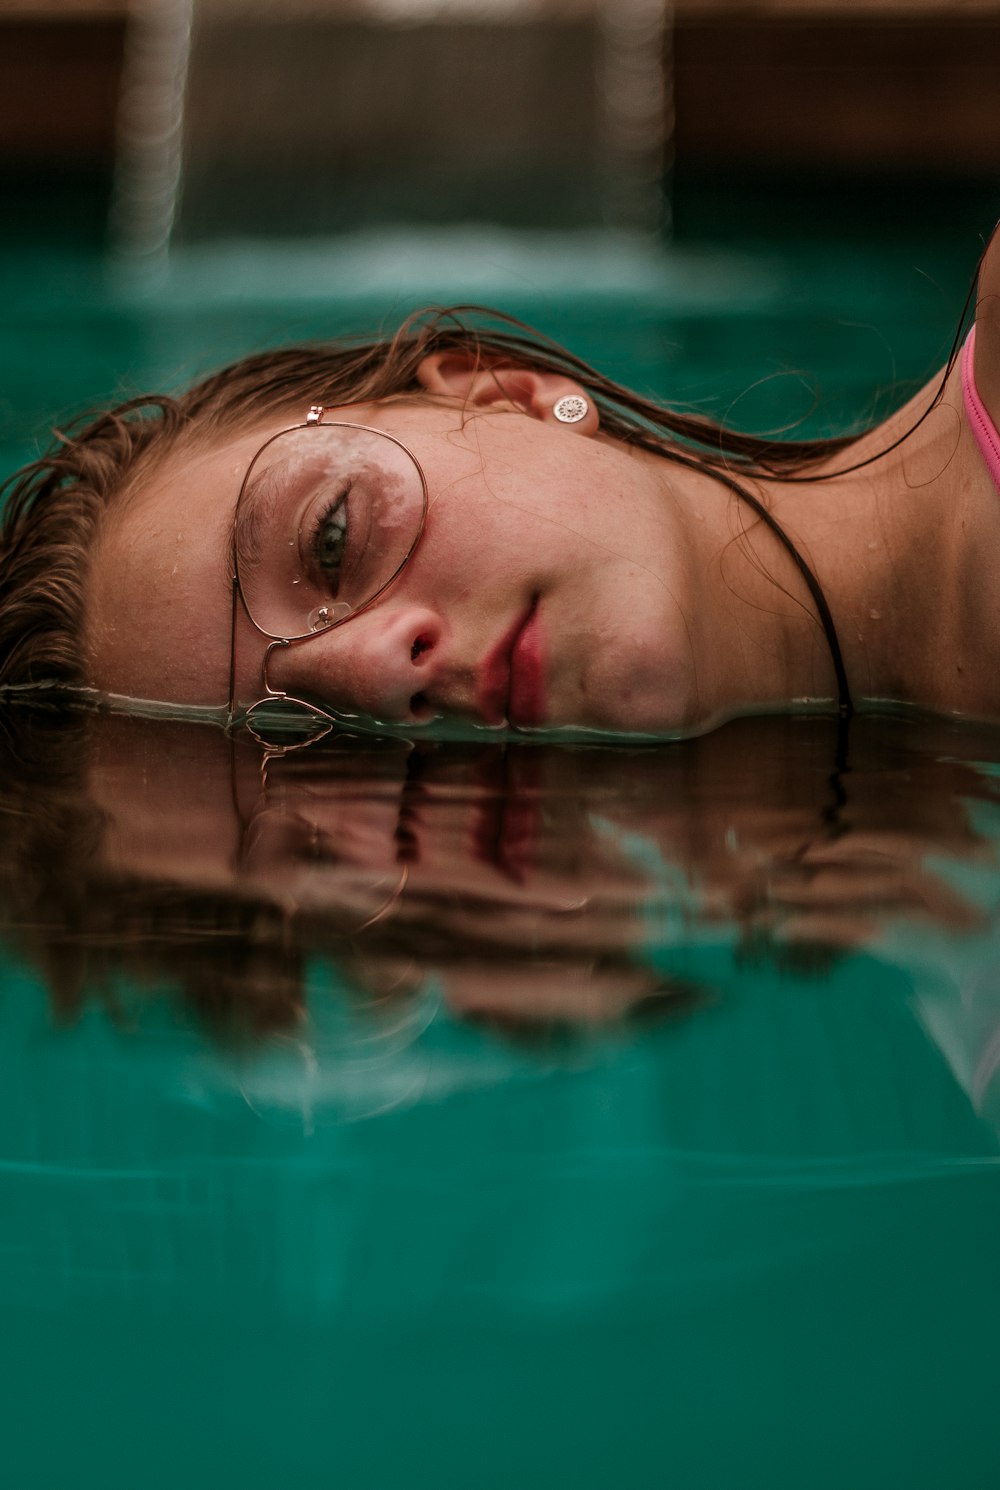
x: 327, y: 516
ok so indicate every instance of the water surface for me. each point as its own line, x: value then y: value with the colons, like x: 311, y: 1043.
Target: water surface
x: 501, y: 1116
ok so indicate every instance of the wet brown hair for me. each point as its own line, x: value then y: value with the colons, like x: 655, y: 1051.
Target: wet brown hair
x: 55, y: 506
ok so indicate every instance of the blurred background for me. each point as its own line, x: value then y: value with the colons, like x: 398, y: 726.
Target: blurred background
x: 771, y: 208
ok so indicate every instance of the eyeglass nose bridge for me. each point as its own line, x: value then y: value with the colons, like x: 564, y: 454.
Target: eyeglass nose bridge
x: 282, y: 694
x: 285, y: 643
x: 271, y: 694
x: 271, y: 747
x: 268, y: 690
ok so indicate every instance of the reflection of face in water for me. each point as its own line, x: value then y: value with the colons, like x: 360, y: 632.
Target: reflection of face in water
x: 531, y: 885
x: 475, y: 866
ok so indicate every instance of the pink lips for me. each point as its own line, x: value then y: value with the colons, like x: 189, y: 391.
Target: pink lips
x: 510, y: 679
x: 526, y: 704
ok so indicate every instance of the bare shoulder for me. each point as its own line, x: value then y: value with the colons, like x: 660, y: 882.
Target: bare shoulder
x: 987, y: 364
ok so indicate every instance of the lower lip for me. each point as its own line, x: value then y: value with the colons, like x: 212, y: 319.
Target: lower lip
x: 526, y: 704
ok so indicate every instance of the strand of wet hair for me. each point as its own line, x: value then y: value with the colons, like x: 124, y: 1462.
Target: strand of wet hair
x: 845, y: 704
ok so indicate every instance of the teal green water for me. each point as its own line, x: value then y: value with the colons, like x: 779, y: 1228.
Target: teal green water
x: 651, y: 1267
x: 496, y: 1230
x: 500, y: 1231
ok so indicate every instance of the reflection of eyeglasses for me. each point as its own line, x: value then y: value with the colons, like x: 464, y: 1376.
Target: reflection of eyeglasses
x: 326, y: 519
x: 284, y: 848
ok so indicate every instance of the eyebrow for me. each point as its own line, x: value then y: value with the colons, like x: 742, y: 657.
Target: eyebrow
x: 256, y: 508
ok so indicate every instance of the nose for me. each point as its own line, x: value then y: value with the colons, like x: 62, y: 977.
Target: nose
x: 379, y: 662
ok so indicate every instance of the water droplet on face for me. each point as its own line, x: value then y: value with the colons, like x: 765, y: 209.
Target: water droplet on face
x: 876, y: 615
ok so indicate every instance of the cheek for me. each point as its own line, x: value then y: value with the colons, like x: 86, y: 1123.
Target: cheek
x: 467, y: 538
x: 518, y: 509
x: 639, y: 671
x: 154, y: 633
x: 535, y: 508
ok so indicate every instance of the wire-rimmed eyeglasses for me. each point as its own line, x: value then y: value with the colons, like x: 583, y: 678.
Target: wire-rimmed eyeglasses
x: 327, y: 517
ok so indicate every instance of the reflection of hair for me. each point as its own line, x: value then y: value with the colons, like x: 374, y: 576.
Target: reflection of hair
x: 55, y: 505
x: 235, y: 957
x: 86, y: 929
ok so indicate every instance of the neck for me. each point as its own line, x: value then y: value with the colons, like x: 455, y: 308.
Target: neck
x: 904, y: 548
x: 891, y: 545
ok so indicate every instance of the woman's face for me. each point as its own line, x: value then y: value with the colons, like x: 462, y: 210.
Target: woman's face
x: 553, y: 584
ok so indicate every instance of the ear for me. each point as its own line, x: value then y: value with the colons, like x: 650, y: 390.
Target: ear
x: 504, y: 385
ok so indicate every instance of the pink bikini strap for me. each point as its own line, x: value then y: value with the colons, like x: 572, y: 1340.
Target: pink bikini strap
x: 985, y: 431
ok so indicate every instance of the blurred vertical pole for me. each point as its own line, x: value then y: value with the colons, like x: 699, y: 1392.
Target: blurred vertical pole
x: 589, y: 130
x: 150, y: 131
x: 636, y: 100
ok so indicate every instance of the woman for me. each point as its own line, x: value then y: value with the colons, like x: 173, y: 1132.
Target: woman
x: 477, y: 526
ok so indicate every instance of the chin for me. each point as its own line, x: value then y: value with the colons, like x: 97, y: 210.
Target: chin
x: 663, y: 711
x: 639, y: 677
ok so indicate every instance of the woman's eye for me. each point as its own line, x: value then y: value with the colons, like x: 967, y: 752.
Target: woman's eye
x: 331, y: 543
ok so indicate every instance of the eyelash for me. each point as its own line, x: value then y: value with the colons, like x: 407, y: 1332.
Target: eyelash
x: 335, y: 505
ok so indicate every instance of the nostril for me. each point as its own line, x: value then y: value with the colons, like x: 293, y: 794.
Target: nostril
x: 420, y: 708
x: 420, y: 645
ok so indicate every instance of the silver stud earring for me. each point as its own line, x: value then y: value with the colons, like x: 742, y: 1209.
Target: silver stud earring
x: 571, y: 409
